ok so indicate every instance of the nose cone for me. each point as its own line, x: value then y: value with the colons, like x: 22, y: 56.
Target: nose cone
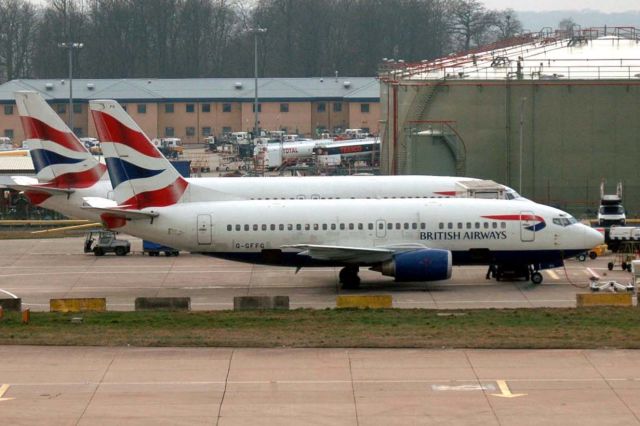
x: 592, y: 237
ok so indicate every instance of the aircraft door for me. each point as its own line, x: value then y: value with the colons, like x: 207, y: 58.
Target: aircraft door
x: 527, y: 226
x: 381, y: 228
x: 204, y: 229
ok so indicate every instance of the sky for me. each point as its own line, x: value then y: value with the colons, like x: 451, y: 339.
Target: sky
x: 609, y: 6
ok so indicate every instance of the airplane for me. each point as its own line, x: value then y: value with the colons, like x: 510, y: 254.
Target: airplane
x: 49, y: 139
x: 408, y: 239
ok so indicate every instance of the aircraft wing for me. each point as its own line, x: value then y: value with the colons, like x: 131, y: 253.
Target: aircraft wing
x: 103, y: 205
x: 25, y: 183
x: 358, y: 255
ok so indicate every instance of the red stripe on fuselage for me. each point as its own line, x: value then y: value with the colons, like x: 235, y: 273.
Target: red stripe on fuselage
x: 113, y: 221
x: 36, y: 129
x: 36, y: 198
x: 111, y: 130
x: 159, y: 198
x: 515, y: 217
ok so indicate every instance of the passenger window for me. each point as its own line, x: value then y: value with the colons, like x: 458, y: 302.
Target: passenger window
x: 398, y: 225
x: 468, y: 225
x: 289, y: 227
x: 351, y: 227
x: 477, y: 225
x: 264, y: 227
x: 298, y: 227
x: 324, y: 226
x: 281, y: 227
x: 342, y: 226
x: 229, y: 227
x: 414, y: 226
x: 441, y: 225
x: 380, y: 226
x: 459, y: 225
x: 316, y: 227
x: 486, y: 225
x: 273, y: 227
x: 307, y: 227
x: 370, y: 226
x: 246, y: 227
x: 424, y: 225
x: 450, y: 225
x: 494, y: 225
x: 389, y: 226
x: 238, y: 227
x: 503, y: 225
x: 333, y: 226
x: 255, y: 227
x: 360, y: 227
x: 406, y: 225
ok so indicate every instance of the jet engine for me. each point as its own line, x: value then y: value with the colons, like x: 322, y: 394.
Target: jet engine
x: 418, y: 265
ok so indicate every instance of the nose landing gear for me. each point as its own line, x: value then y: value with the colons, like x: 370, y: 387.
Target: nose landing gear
x: 507, y: 272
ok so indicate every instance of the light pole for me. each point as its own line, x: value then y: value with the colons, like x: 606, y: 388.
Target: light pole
x: 522, y: 101
x: 256, y: 31
x: 70, y: 46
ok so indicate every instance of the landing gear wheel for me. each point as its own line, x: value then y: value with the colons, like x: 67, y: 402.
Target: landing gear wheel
x: 592, y: 255
x: 582, y: 257
x: 536, y: 278
x: 624, y: 266
x: 121, y: 251
x: 349, y: 277
x: 610, y: 266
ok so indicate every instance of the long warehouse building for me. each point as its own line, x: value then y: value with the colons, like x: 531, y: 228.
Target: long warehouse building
x: 550, y: 114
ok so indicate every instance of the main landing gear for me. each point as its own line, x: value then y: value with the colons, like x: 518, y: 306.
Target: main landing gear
x: 349, y: 277
x: 509, y: 272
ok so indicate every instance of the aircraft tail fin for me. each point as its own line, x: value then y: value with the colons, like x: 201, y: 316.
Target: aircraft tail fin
x: 140, y: 175
x: 59, y: 157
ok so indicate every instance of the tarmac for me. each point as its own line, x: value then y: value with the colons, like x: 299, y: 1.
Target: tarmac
x: 191, y: 386
x: 41, y: 269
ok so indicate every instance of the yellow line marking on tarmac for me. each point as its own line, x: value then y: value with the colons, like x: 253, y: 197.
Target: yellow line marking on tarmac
x: 592, y: 273
x: 506, y: 392
x: 553, y: 275
x: 3, y: 389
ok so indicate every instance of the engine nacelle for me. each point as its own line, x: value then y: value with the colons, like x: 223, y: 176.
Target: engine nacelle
x: 418, y: 265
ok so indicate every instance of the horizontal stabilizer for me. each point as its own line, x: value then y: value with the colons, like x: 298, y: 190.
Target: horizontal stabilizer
x: 110, y: 207
x: 24, y: 183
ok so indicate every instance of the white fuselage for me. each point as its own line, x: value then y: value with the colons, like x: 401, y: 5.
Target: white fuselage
x: 244, y: 229
x: 280, y: 188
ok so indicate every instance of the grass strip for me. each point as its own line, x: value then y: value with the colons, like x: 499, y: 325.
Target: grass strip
x: 613, y: 327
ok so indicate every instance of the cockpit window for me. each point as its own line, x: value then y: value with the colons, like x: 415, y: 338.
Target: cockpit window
x: 564, y: 221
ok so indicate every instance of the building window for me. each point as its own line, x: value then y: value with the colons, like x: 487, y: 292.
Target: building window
x: 8, y: 110
x: 321, y: 107
x: 169, y: 132
x: 61, y: 108
x: 253, y: 107
x: 337, y: 107
x: 8, y: 133
x: 190, y: 107
x: 206, y: 131
x: 78, y: 131
x: 206, y: 107
x: 191, y: 131
x: 142, y: 108
x: 168, y: 108
x: 284, y: 107
x: 226, y: 130
x: 77, y: 108
x: 364, y: 108
x: 226, y: 107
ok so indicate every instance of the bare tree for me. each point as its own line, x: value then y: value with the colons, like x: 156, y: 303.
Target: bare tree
x: 508, y: 25
x: 17, y: 28
x: 470, y: 21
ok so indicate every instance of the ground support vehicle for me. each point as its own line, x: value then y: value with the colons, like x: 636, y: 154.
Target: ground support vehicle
x: 627, y: 253
x: 101, y: 242
x: 154, y: 249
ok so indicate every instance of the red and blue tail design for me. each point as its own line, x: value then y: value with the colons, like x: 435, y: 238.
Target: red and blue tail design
x: 59, y: 158
x: 141, y: 176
